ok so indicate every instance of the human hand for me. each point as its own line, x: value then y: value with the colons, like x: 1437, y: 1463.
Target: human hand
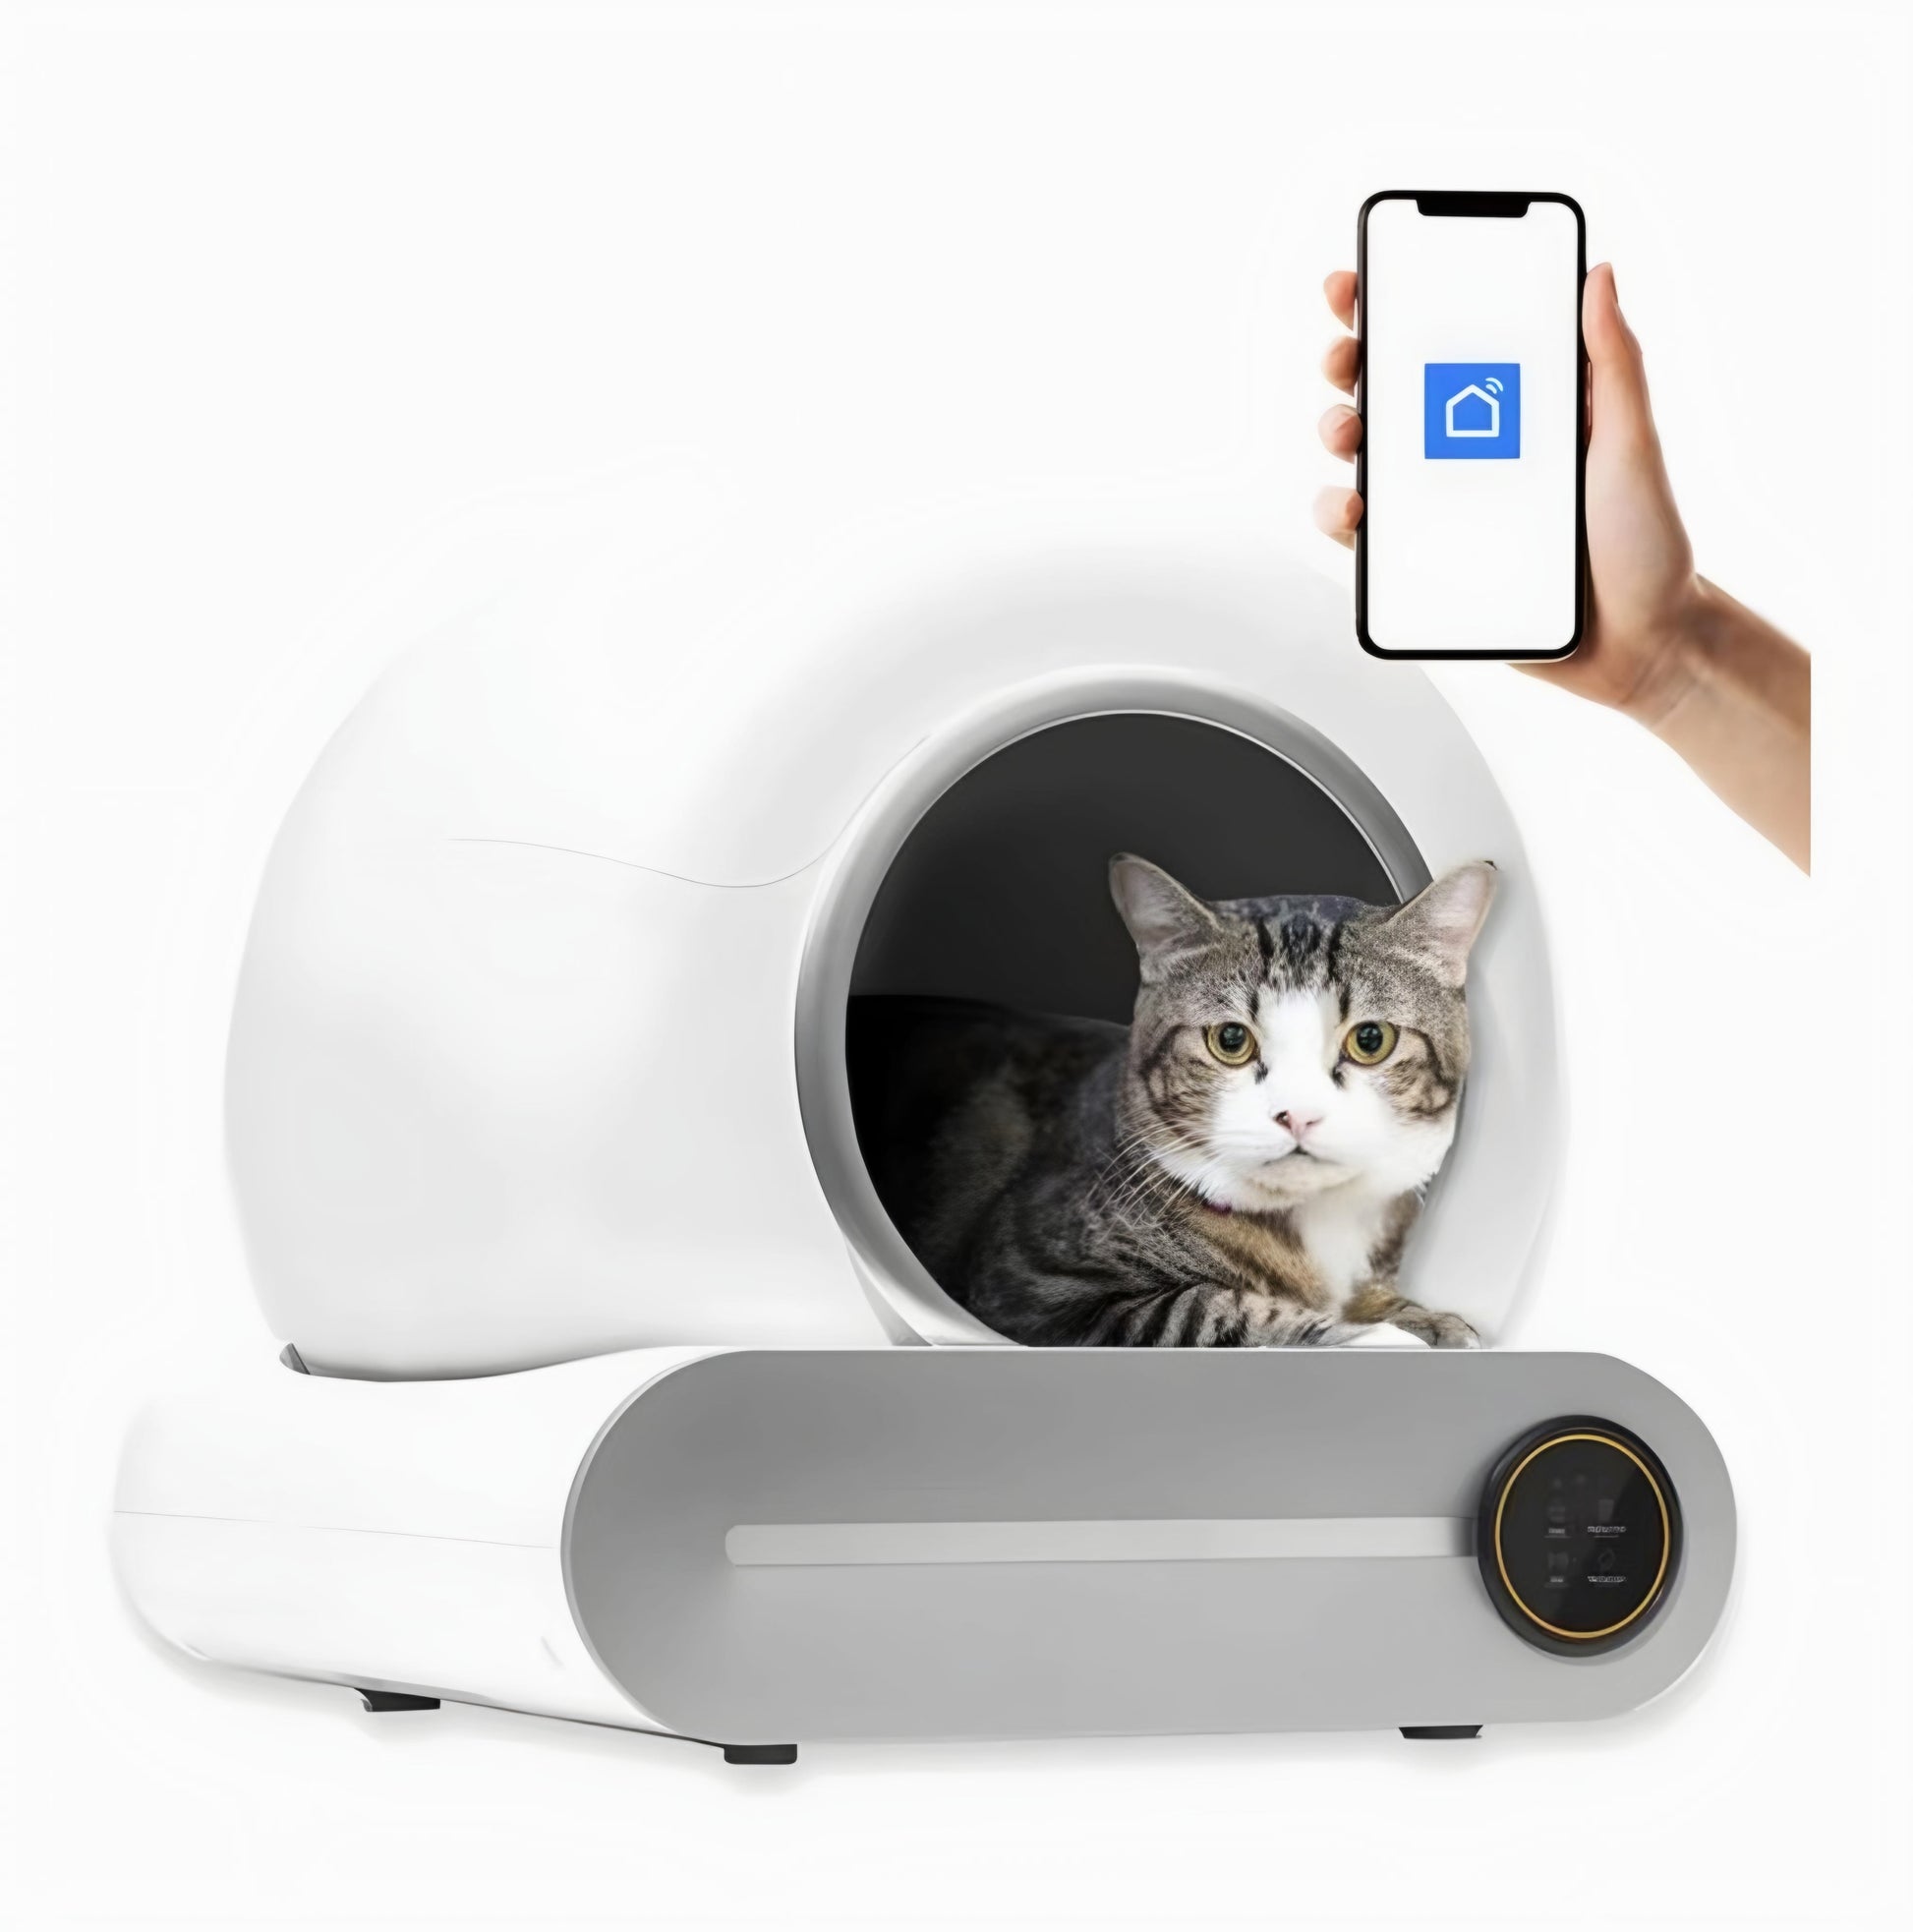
x: 1642, y: 590
x: 1719, y: 686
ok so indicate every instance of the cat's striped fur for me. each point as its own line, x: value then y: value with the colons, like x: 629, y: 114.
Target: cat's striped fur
x: 1076, y: 1183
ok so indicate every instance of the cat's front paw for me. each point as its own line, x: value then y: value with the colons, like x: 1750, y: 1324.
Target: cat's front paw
x: 1436, y: 1331
x: 1450, y: 1331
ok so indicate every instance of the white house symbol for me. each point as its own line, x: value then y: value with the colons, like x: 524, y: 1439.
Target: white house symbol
x: 1494, y: 412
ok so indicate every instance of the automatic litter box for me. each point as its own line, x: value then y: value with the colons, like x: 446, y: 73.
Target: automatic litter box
x: 626, y: 1402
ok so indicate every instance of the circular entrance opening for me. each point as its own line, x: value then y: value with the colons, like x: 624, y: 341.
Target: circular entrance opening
x: 998, y: 892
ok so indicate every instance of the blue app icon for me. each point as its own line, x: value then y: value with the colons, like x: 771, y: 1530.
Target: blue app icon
x: 1471, y: 410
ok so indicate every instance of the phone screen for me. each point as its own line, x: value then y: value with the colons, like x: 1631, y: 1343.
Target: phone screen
x: 1470, y: 401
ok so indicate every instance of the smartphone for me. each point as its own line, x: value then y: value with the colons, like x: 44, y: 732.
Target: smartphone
x: 1471, y: 391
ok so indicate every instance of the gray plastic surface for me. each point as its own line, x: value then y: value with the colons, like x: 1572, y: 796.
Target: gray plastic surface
x: 946, y: 1649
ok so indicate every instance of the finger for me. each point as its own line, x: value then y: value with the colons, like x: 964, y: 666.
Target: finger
x: 1336, y: 512
x: 1340, y: 290
x: 1618, y: 376
x: 1341, y: 432
x: 1339, y: 364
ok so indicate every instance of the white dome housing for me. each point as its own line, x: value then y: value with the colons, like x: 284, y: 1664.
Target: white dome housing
x: 539, y: 1044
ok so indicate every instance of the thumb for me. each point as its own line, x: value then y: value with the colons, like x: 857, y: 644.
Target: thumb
x: 1620, y: 405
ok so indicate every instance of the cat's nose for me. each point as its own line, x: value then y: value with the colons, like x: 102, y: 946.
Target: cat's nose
x: 1296, y: 1122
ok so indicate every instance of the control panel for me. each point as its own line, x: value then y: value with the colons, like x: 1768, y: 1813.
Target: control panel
x: 1580, y: 1536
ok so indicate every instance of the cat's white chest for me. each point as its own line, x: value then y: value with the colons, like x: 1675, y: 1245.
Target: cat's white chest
x: 1340, y: 1231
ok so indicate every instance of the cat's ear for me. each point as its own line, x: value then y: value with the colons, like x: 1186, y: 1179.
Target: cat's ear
x: 1441, y: 921
x: 1163, y: 917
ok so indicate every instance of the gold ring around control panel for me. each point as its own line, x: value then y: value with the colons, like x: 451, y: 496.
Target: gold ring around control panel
x: 1666, y: 1537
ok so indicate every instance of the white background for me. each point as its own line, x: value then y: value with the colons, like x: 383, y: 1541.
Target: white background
x: 322, y: 319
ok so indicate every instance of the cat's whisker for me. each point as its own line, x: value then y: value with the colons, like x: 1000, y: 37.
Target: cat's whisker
x: 1154, y: 1185
x: 1138, y: 1184
x: 1136, y: 1187
x: 1127, y: 1157
x: 1150, y: 1149
x: 1150, y: 1140
x: 1149, y: 1162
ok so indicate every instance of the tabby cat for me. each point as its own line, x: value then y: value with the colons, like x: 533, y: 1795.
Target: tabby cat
x: 1239, y: 1168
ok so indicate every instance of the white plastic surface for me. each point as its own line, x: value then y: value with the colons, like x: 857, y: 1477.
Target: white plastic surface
x: 389, y: 1539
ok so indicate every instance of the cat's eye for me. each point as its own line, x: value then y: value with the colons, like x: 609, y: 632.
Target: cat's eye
x: 1231, y: 1043
x: 1369, y: 1043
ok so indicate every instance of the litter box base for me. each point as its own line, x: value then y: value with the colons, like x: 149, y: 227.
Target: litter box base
x: 766, y: 1547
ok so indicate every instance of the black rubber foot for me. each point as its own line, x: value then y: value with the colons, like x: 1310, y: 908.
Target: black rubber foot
x: 395, y: 1700
x: 1441, y: 1731
x: 760, y: 1754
